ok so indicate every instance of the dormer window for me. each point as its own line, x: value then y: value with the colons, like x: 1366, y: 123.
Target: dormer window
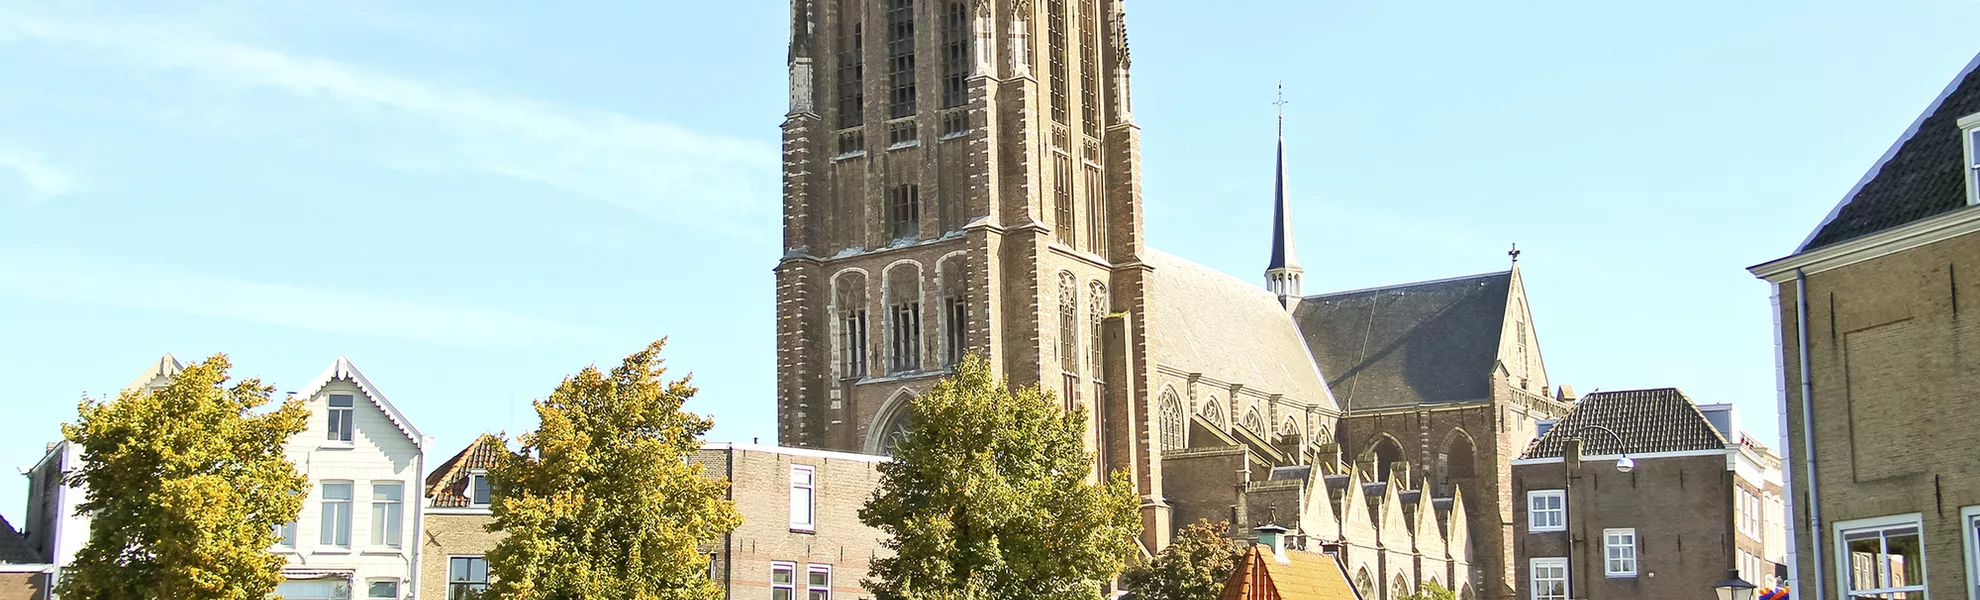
x: 480, y: 494
x: 1971, y: 133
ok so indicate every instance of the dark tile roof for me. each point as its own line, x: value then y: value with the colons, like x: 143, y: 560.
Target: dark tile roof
x: 14, y: 549
x: 447, y: 484
x: 1923, y: 175
x: 1206, y: 321
x: 1654, y: 420
x: 1419, y: 343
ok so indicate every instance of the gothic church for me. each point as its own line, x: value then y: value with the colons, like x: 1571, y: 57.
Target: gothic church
x: 963, y: 176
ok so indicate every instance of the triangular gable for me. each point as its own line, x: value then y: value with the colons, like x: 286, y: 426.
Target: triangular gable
x: 343, y: 370
x: 1429, y: 534
x: 479, y: 454
x: 158, y: 374
x: 1317, y: 518
x: 1356, y: 524
x: 1519, y: 310
x: 1457, y: 529
x: 1395, y: 525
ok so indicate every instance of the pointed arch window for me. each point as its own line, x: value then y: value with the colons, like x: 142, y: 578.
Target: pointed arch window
x: 1095, y: 353
x: 1254, y: 423
x: 955, y: 310
x: 904, y: 318
x: 1172, y: 421
x: 1096, y: 208
x: 1089, y: 66
x: 1289, y: 432
x: 850, y: 303
x: 1213, y: 413
x: 1069, y: 337
x: 1055, y: 56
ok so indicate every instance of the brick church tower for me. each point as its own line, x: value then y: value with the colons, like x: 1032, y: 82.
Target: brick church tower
x: 962, y: 176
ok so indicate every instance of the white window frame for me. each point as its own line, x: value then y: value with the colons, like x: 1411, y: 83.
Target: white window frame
x: 804, y: 494
x: 810, y: 589
x: 334, y: 434
x: 331, y: 524
x: 790, y: 586
x: 1969, y: 531
x: 1610, y: 555
x: 1969, y: 136
x: 398, y: 588
x: 1533, y: 523
x: 475, y: 478
x: 1844, y: 569
x: 285, y: 536
x: 1533, y: 566
x: 388, y: 517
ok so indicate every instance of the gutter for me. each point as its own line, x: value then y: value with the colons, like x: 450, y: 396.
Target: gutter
x: 1808, y: 428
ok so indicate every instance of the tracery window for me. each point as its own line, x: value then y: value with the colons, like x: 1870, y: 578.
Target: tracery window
x: 1095, y: 359
x: 1213, y: 413
x: 1068, y: 322
x: 850, y: 302
x: 1172, y: 421
x: 1096, y: 209
x: 955, y: 310
x: 900, y: 57
x: 1254, y: 423
x: 904, y: 317
x: 1062, y: 198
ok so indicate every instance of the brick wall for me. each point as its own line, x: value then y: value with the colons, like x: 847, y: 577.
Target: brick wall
x: 1680, y: 507
x: 1896, y: 382
x: 760, y: 487
x: 446, y: 536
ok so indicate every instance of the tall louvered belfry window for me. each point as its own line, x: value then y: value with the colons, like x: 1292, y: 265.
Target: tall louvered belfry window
x: 852, y: 68
x: 900, y: 57
x: 1172, y: 421
x: 1055, y: 57
x: 850, y: 302
x: 955, y: 55
x: 904, y: 318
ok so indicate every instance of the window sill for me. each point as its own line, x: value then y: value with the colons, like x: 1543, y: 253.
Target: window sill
x: 905, y: 145
x: 1620, y: 575
x: 954, y: 135
x: 338, y: 551
x: 804, y: 530
x: 336, y: 446
x: 850, y: 155
x: 1547, y: 530
x: 382, y: 551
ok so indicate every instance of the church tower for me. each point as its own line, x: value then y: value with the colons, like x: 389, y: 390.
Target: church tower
x: 962, y: 176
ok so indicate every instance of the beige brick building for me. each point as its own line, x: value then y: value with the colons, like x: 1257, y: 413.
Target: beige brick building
x: 963, y: 176
x: 456, y: 540
x: 1880, y: 383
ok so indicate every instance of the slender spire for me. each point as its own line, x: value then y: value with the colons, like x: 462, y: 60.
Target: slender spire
x: 1282, y: 275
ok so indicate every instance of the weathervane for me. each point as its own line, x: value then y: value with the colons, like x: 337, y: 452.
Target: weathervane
x: 1514, y: 253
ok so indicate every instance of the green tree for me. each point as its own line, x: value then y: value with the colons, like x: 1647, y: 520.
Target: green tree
x: 186, y: 486
x: 988, y: 497
x: 1432, y: 591
x: 1195, y: 566
x: 602, y: 502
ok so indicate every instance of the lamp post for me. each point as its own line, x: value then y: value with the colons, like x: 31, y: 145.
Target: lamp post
x: 1734, y: 588
x: 1571, y: 462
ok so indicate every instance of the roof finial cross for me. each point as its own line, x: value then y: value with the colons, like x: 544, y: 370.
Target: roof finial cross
x: 1282, y: 101
x: 1514, y: 253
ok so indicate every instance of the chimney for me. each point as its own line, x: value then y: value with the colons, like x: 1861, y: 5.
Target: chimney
x: 1274, y: 537
x: 1565, y: 394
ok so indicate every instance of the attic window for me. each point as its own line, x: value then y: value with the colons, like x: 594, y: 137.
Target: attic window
x: 480, y: 494
x: 1972, y: 136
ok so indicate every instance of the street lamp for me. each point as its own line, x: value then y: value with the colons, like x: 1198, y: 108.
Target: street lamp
x: 1734, y: 588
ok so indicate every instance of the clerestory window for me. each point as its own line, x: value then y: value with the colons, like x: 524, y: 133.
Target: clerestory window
x: 955, y: 55
x: 852, y: 71
x: 900, y: 57
x: 903, y: 211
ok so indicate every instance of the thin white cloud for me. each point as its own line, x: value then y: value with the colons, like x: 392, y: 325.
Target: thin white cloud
x: 327, y: 310
x: 43, y: 178
x: 656, y: 169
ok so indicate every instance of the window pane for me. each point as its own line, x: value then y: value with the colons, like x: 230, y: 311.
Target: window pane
x: 820, y: 578
x: 341, y: 401
x: 483, y: 491
x: 336, y: 491
x: 1905, y: 559
x: 781, y: 575
x: 384, y: 589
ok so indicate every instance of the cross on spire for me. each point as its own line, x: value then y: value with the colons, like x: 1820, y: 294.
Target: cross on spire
x: 1514, y: 253
x: 1282, y: 101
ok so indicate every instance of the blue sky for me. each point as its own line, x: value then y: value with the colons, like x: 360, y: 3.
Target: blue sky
x: 473, y: 199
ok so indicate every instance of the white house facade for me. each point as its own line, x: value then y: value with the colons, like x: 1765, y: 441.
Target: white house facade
x: 357, y: 537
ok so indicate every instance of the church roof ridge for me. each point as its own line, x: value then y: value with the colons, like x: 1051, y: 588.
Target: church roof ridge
x: 1400, y: 286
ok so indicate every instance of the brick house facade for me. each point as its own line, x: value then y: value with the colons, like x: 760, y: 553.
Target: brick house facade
x: 801, y: 524
x: 1875, y: 322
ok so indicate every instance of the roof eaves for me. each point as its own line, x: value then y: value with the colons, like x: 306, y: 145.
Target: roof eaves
x: 344, y: 370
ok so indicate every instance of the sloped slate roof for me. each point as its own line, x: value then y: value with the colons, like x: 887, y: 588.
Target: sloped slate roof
x: 1921, y: 176
x: 446, y: 486
x: 1654, y: 420
x: 1417, y: 343
x: 1209, y: 322
x: 14, y: 549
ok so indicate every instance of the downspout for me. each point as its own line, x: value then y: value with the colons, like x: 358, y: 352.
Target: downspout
x: 419, y: 519
x: 1808, y: 429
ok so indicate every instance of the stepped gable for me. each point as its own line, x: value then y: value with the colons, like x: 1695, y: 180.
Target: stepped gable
x: 1417, y: 343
